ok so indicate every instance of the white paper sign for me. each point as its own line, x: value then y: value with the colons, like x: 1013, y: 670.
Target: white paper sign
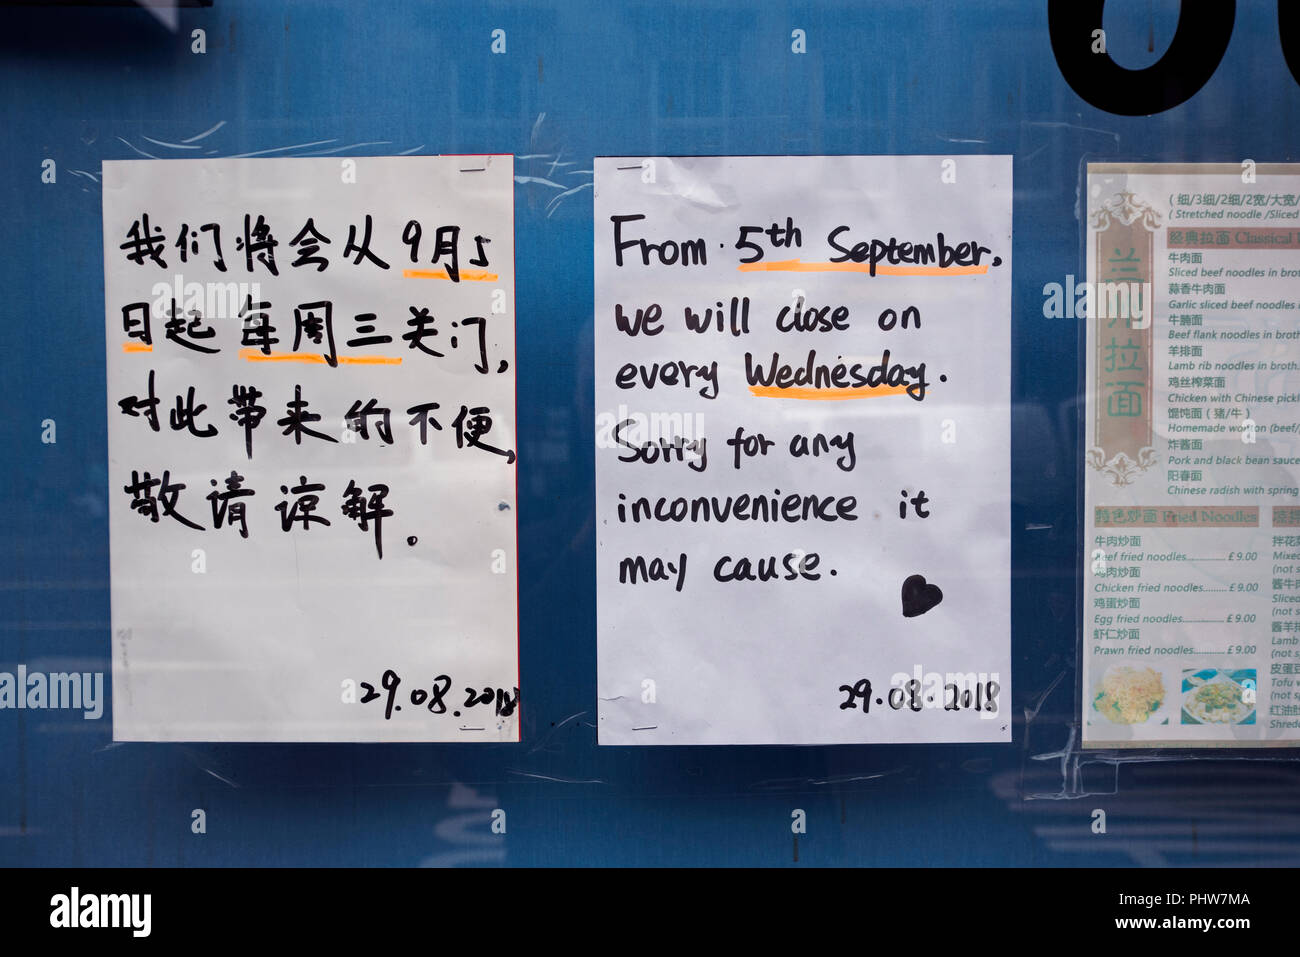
x: 802, y: 464
x: 311, y: 449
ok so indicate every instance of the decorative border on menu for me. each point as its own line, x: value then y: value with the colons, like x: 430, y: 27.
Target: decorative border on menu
x: 1121, y: 307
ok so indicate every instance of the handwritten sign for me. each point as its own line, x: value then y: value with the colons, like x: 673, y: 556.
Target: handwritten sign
x: 312, y: 449
x: 803, y: 460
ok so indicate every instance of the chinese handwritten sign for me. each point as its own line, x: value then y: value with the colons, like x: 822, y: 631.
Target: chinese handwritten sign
x: 312, y: 448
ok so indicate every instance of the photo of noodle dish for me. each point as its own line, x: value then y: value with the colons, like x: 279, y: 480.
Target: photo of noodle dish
x: 1128, y: 695
x: 1211, y: 696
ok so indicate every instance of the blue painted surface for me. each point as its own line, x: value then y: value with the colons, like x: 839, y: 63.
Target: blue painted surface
x: 578, y: 80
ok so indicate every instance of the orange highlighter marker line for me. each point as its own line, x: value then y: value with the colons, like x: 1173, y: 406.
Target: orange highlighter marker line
x: 253, y: 355
x: 798, y: 265
x: 803, y: 392
x: 466, y: 275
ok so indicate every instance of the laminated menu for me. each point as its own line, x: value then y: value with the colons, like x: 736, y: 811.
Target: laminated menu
x: 1191, y: 520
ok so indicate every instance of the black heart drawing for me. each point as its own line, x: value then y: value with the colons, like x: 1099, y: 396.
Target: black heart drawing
x: 919, y: 596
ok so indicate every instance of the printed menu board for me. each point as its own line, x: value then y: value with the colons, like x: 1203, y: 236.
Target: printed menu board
x: 1191, y: 603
